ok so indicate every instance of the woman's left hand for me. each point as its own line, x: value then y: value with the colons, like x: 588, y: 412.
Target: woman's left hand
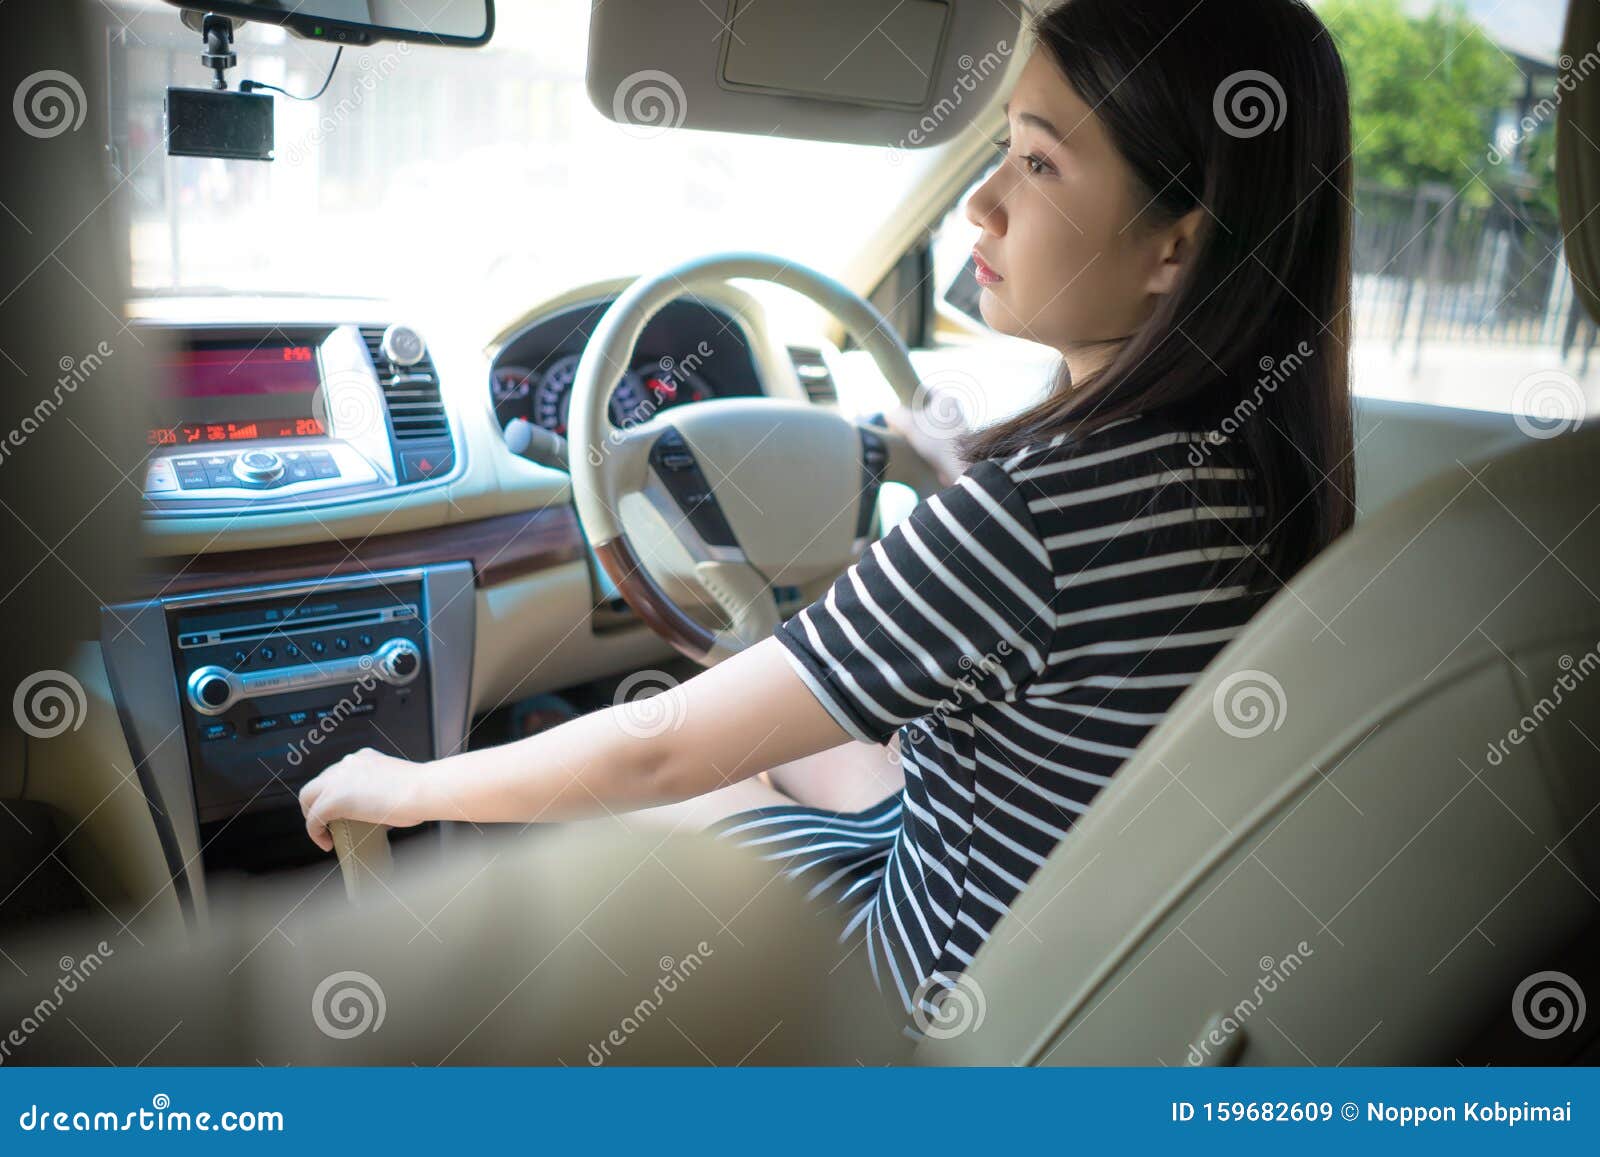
x: 930, y: 440
x: 365, y: 785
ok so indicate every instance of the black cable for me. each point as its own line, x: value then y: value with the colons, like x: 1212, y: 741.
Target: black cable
x: 252, y: 85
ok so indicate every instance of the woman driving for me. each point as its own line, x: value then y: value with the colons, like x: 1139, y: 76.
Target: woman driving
x: 1171, y: 213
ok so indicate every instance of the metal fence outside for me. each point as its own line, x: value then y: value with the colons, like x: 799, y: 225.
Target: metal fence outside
x: 1429, y: 268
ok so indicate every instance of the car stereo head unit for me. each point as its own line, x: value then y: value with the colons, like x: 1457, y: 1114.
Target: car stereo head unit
x: 258, y: 417
x: 232, y: 699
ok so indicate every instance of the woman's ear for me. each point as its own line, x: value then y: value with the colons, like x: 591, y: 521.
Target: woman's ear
x: 1176, y: 248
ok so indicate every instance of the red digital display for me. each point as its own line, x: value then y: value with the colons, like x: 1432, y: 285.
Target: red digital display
x: 195, y: 434
x: 225, y: 391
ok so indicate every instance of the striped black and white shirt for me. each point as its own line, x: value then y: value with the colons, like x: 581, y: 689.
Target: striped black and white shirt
x: 1022, y: 630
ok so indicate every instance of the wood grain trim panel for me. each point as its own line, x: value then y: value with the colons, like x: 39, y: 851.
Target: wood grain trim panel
x: 500, y: 548
x: 649, y: 601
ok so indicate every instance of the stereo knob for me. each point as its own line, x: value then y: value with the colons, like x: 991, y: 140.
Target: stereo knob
x: 402, y: 345
x: 398, y: 661
x: 258, y: 466
x: 210, y: 690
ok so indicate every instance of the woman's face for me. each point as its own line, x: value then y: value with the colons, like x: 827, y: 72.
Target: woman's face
x: 1059, y: 224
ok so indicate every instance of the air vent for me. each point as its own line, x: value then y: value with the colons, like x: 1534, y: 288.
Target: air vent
x: 813, y: 373
x: 411, y: 393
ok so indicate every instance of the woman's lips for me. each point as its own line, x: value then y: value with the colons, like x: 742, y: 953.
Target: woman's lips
x: 983, y: 272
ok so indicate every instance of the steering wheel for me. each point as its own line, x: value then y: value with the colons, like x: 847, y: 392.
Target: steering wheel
x: 759, y: 491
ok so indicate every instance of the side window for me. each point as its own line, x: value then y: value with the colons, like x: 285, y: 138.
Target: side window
x: 930, y: 292
x: 955, y: 290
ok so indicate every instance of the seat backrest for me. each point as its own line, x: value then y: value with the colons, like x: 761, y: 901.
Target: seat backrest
x: 76, y: 377
x: 574, y: 947
x: 1362, y: 832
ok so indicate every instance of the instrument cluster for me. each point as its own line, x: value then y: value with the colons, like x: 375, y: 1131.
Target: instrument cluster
x: 688, y: 352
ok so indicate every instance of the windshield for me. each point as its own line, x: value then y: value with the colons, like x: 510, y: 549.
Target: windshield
x: 441, y: 173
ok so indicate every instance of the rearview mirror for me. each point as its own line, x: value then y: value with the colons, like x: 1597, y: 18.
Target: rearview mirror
x: 466, y: 23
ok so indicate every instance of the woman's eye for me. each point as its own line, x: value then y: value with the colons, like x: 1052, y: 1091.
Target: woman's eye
x: 1035, y: 165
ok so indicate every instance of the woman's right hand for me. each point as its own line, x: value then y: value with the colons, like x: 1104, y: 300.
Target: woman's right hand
x: 366, y: 785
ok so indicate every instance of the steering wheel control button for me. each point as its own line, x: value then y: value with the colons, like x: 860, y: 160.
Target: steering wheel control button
x: 874, y: 460
x: 675, y: 465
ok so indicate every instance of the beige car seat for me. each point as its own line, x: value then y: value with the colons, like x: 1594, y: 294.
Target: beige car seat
x: 1365, y: 825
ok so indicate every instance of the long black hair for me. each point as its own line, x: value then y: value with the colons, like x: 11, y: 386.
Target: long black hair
x: 1241, y: 107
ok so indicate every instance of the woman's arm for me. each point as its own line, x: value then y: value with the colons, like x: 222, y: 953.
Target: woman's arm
x: 746, y: 714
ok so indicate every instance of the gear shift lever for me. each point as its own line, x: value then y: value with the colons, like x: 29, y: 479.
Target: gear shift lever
x: 364, y: 857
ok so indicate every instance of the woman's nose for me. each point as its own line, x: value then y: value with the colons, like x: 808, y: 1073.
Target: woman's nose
x: 985, y: 208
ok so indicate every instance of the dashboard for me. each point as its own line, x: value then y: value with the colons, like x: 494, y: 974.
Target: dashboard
x: 262, y: 417
x: 336, y: 533
x: 690, y: 351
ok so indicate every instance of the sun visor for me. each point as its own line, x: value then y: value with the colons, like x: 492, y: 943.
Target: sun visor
x: 910, y: 73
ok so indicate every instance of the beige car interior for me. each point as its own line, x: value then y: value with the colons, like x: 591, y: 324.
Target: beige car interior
x: 1372, y: 817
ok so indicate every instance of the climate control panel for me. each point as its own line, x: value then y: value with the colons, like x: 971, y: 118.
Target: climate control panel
x: 275, y: 687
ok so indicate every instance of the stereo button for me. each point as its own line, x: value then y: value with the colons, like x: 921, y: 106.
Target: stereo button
x: 258, y: 466
x: 160, y: 478
x: 209, y: 690
x: 211, y: 731
x: 265, y: 723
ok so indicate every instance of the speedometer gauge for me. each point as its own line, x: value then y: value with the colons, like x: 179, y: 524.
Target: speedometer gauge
x: 553, y: 394
x: 631, y: 403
